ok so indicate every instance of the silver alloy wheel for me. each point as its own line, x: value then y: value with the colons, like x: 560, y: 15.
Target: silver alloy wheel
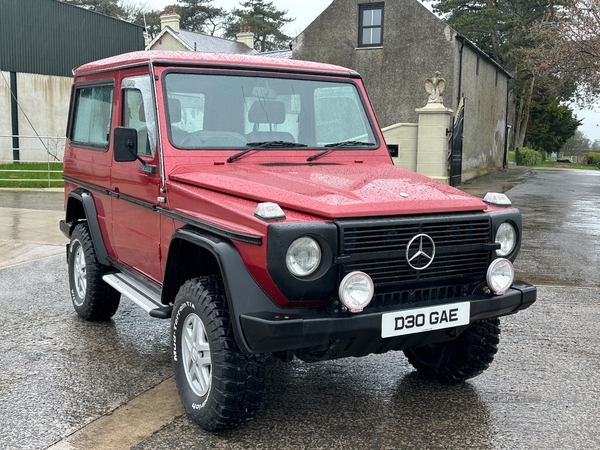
x: 196, y: 355
x: 79, y: 274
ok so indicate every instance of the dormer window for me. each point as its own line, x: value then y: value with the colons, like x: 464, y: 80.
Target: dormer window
x: 370, y: 25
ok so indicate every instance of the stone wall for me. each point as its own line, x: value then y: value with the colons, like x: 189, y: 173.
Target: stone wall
x: 484, y: 86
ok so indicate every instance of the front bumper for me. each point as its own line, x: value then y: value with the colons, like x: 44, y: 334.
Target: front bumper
x: 267, y: 332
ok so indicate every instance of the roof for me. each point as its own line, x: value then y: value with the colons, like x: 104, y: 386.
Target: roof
x: 212, y: 60
x: 281, y: 54
x: 206, y: 43
x: 199, y: 42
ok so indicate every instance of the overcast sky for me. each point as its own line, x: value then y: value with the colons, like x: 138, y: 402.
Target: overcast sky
x: 305, y: 11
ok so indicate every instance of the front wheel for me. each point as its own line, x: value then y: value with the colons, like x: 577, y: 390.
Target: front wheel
x: 465, y: 357
x: 219, y: 386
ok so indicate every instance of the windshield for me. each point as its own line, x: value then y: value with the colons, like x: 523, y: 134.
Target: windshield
x: 233, y: 111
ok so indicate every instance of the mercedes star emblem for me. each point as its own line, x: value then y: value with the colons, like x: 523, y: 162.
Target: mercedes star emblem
x: 420, y: 252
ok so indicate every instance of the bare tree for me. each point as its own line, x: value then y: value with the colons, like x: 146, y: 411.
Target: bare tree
x: 568, y: 49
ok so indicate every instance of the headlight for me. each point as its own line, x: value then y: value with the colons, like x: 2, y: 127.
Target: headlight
x: 506, y: 236
x: 303, y: 256
x: 356, y: 291
x: 500, y: 275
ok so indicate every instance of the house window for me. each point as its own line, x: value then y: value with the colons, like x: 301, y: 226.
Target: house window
x: 370, y: 25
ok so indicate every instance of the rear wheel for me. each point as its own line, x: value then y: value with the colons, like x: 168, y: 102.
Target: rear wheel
x: 465, y: 357
x: 219, y: 386
x: 92, y: 298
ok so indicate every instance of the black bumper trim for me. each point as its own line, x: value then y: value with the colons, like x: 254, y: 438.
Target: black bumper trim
x: 267, y: 332
x: 65, y: 227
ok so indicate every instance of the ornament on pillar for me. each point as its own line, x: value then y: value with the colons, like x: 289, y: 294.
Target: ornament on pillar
x: 435, y: 87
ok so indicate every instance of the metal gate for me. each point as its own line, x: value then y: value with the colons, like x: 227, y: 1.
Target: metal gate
x: 456, y: 146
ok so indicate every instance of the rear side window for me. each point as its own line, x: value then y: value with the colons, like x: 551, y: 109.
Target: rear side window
x: 91, y: 115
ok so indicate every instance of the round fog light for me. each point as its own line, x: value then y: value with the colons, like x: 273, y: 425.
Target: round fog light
x: 500, y: 275
x: 356, y: 291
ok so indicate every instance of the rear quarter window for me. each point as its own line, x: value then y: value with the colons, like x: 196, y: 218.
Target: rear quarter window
x: 92, y: 115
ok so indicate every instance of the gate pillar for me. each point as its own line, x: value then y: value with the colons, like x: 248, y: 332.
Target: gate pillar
x: 434, y: 123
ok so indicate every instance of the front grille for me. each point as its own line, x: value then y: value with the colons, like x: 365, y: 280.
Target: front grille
x: 378, y: 248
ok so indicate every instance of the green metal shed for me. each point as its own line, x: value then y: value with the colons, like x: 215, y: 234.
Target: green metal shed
x: 49, y: 37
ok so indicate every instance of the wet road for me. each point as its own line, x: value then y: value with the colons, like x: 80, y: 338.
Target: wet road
x: 28, y: 225
x: 66, y: 383
x: 561, y: 210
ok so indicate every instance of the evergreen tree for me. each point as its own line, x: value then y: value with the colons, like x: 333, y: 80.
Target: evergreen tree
x: 200, y: 16
x: 149, y: 19
x: 551, y: 124
x: 264, y: 20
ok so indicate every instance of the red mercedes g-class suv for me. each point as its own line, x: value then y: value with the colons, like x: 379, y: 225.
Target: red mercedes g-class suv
x: 253, y: 202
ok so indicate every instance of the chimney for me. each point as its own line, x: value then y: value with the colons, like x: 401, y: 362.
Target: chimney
x: 245, y: 36
x: 171, y: 19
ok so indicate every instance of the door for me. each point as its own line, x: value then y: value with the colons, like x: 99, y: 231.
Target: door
x: 136, y: 226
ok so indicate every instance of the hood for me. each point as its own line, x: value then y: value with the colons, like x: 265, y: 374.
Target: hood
x: 334, y: 191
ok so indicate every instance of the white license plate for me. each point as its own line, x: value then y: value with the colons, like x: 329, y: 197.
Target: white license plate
x: 418, y: 320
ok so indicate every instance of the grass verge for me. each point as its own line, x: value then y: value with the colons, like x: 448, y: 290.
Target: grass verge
x: 31, y: 175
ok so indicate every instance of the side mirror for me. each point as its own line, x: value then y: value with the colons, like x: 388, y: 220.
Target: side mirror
x: 125, y: 144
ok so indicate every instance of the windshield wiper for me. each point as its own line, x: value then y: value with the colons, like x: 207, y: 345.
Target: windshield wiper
x: 335, y: 145
x: 264, y: 144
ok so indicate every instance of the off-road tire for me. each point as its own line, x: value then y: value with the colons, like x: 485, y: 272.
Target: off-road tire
x: 92, y: 298
x: 221, y: 387
x: 465, y: 357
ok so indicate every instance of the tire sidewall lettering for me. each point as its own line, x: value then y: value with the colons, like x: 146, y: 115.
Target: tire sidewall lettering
x: 175, y: 327
x: 179, y: 315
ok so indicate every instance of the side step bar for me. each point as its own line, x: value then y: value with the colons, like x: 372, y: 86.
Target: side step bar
x: 144, y: 296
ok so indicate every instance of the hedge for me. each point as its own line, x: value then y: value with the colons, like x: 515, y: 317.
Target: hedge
x: 529, y: 157
x: 593, y: 159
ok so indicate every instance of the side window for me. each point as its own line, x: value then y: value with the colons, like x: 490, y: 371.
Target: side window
x: 138, y: 112
x: 91, y: 115
x: 370, y: 25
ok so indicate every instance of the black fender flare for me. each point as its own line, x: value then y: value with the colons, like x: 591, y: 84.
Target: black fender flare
x: 243, y: 292
x: 89, y: 208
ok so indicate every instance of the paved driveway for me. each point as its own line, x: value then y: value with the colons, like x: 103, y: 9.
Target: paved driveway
x: 65, y: 383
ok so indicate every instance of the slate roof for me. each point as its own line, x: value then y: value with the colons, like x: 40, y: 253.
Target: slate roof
x: 205, y: 43
x: 281, y: 54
